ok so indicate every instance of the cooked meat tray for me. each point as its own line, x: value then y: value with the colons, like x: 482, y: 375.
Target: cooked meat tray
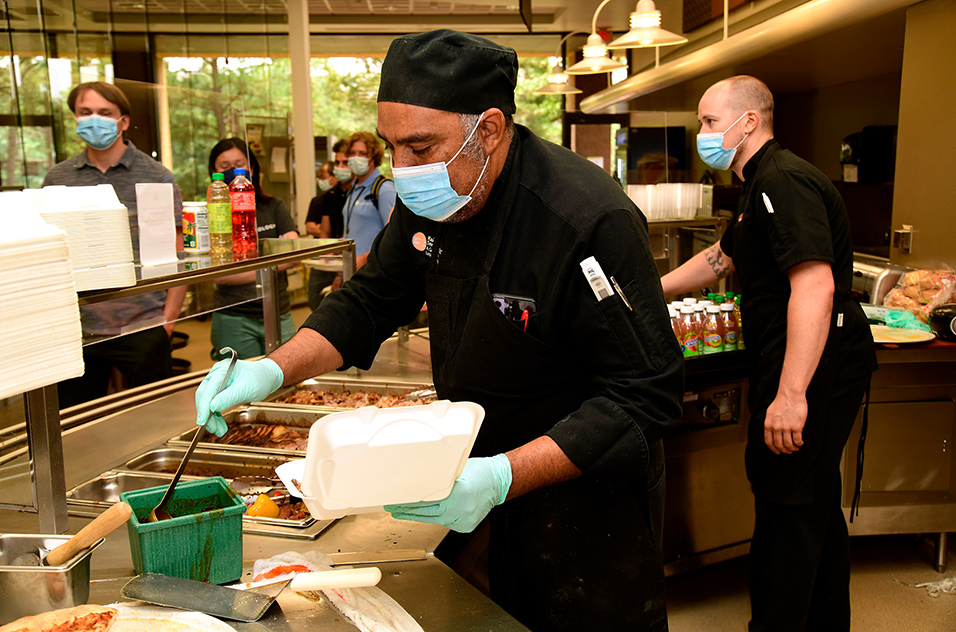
x: 345, y: 394
x: 260, y: 429
x: 204, y: 463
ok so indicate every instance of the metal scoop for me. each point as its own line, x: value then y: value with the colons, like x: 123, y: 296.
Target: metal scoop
x: 159, y: 513
x: 102, y: 525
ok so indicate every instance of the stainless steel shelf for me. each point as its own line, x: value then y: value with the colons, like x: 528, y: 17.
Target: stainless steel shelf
x: 276, y: 252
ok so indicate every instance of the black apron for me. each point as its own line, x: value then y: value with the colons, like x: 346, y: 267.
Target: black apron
x: 566, y: 557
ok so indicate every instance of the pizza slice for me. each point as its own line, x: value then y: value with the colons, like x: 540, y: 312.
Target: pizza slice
x: 89, y: 618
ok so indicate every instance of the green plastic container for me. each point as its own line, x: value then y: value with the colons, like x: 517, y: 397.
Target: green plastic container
x: 202, y: 542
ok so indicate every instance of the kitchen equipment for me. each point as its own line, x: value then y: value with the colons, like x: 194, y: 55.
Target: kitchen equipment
x: 873, y: 278
x: 28, y: 590
x: 378, y: 387
x: 257, y: 416
x: 942, y: 320
x: 159, y: 512
x: 101, y: 526
x: 361, y: 459
x: 203, y: 541
x: 238, y: 604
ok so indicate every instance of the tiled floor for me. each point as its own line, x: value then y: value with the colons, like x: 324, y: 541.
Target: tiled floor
x: 714, y: 598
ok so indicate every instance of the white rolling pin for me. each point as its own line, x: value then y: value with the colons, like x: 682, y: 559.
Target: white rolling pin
x: 337, y: 578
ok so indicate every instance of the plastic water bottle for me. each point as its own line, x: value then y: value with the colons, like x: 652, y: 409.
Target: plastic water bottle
x: 220, y: 217
x: 242, y: 196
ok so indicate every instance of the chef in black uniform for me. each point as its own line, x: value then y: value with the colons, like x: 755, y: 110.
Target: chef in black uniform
x: 577, y: 389
x: 810, y: 355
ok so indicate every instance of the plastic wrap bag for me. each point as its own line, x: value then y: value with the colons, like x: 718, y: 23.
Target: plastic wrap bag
x: 369, y: 609
x: 921, y: 291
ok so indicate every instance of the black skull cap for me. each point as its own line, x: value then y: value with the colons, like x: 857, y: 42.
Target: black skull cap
x: 451, y: 71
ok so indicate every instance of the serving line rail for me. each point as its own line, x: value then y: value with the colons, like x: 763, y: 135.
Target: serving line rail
x: 41, y: 406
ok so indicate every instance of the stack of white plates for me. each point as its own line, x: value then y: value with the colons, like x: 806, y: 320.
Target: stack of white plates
x: 97, y: 226
x: 41, y: 337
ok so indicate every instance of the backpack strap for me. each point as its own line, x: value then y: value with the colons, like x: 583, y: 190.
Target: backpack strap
x: 376, y: 186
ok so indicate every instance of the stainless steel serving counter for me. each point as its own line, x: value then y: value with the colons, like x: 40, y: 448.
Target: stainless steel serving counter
x: 431, y: 592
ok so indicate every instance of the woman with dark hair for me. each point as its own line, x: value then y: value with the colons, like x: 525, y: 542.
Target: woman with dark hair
x: 238, y: 324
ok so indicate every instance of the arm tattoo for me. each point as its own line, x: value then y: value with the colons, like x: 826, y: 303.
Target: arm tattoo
x: 718, y: 263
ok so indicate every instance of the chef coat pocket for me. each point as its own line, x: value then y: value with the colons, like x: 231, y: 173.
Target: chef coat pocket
x: 641, y: 335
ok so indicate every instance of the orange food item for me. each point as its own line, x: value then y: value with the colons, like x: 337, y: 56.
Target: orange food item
x: 278, y: 571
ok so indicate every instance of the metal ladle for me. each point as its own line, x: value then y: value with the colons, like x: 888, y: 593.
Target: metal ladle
x: 159, y: 513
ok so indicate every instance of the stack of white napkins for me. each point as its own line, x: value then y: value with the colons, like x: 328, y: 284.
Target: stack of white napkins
x: 41, y: 336
x: 97, y: 225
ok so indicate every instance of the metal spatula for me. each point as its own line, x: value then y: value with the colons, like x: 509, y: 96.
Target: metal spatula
x: 236, y: 604
x: 159, y: 513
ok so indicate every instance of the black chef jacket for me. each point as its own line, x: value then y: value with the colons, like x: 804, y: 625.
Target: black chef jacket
x: 624, y: 367
x: 790, y: 213
x: 602, y: 379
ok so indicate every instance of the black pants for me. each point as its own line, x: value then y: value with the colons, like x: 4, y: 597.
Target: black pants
x: 318, y: 280
x: 142, y: 358
x: 799, y: 555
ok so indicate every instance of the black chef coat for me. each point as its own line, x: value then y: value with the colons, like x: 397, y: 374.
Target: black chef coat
x: 790, y: 213
x: 603, y: 381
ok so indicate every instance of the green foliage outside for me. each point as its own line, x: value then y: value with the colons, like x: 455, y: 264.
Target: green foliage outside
x: 213, y: 98
x: 206, y: 97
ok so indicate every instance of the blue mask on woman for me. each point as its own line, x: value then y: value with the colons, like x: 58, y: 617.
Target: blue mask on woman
x: 427, y: 191
x: 710, y: 147
x: 99, y: 132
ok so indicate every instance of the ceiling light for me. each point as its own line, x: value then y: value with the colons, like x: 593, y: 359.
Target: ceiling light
x: 557, y: 82
x: 595, y: 59
x: 646, y: 30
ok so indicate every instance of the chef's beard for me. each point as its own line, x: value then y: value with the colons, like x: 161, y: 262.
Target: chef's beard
x: 474, y: 157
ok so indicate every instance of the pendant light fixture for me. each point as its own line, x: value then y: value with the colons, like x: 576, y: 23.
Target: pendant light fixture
x: 558, y: 78
x: 596, y: 59
x: 646, y: 31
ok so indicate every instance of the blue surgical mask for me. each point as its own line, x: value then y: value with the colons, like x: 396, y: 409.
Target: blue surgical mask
x: 427, y: 191
x: 342, y: 174
x: 358, y: 165
x: 324, y: 185
x: 710, y: 147
x: 99, y: 132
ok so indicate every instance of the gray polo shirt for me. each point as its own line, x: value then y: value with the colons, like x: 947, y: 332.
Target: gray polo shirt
x: 120, y: 315
x: 133, y: 166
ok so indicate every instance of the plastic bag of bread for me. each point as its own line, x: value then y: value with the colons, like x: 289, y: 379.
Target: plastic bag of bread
x: 921, y: 291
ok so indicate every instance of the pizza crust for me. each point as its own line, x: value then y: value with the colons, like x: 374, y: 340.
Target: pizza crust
x: 88, y: 618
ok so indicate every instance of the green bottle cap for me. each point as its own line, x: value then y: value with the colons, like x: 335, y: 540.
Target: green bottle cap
x: 218, y: 176
x: 718, y: 300
x: 730, y: 295
x: 737, y: 299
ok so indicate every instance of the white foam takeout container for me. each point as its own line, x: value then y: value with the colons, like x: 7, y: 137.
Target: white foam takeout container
x: 359, y: 460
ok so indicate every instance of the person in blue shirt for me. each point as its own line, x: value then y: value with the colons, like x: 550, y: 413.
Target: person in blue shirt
x: 371, y: 198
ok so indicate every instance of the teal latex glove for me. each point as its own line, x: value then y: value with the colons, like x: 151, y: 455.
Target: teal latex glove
x: 483, y: 484
x: 251, y: 381
x: 905, y: 320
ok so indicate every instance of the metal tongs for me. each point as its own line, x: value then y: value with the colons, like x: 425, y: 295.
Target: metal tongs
x: 159, y: 513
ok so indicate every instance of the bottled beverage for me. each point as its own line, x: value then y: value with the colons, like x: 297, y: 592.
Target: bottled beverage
x: 713, y: 331
x: 740, y: 323
x: 195, y: 227
x: 690, y: 301
x: 242, y: 197
x: 689, y: 332
x: 700, y: 315
x: 220, y: 217
x: 674, y: 316
x: 730, y: 326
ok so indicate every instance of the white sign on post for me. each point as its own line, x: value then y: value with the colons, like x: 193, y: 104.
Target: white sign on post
x: 157, y: 223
